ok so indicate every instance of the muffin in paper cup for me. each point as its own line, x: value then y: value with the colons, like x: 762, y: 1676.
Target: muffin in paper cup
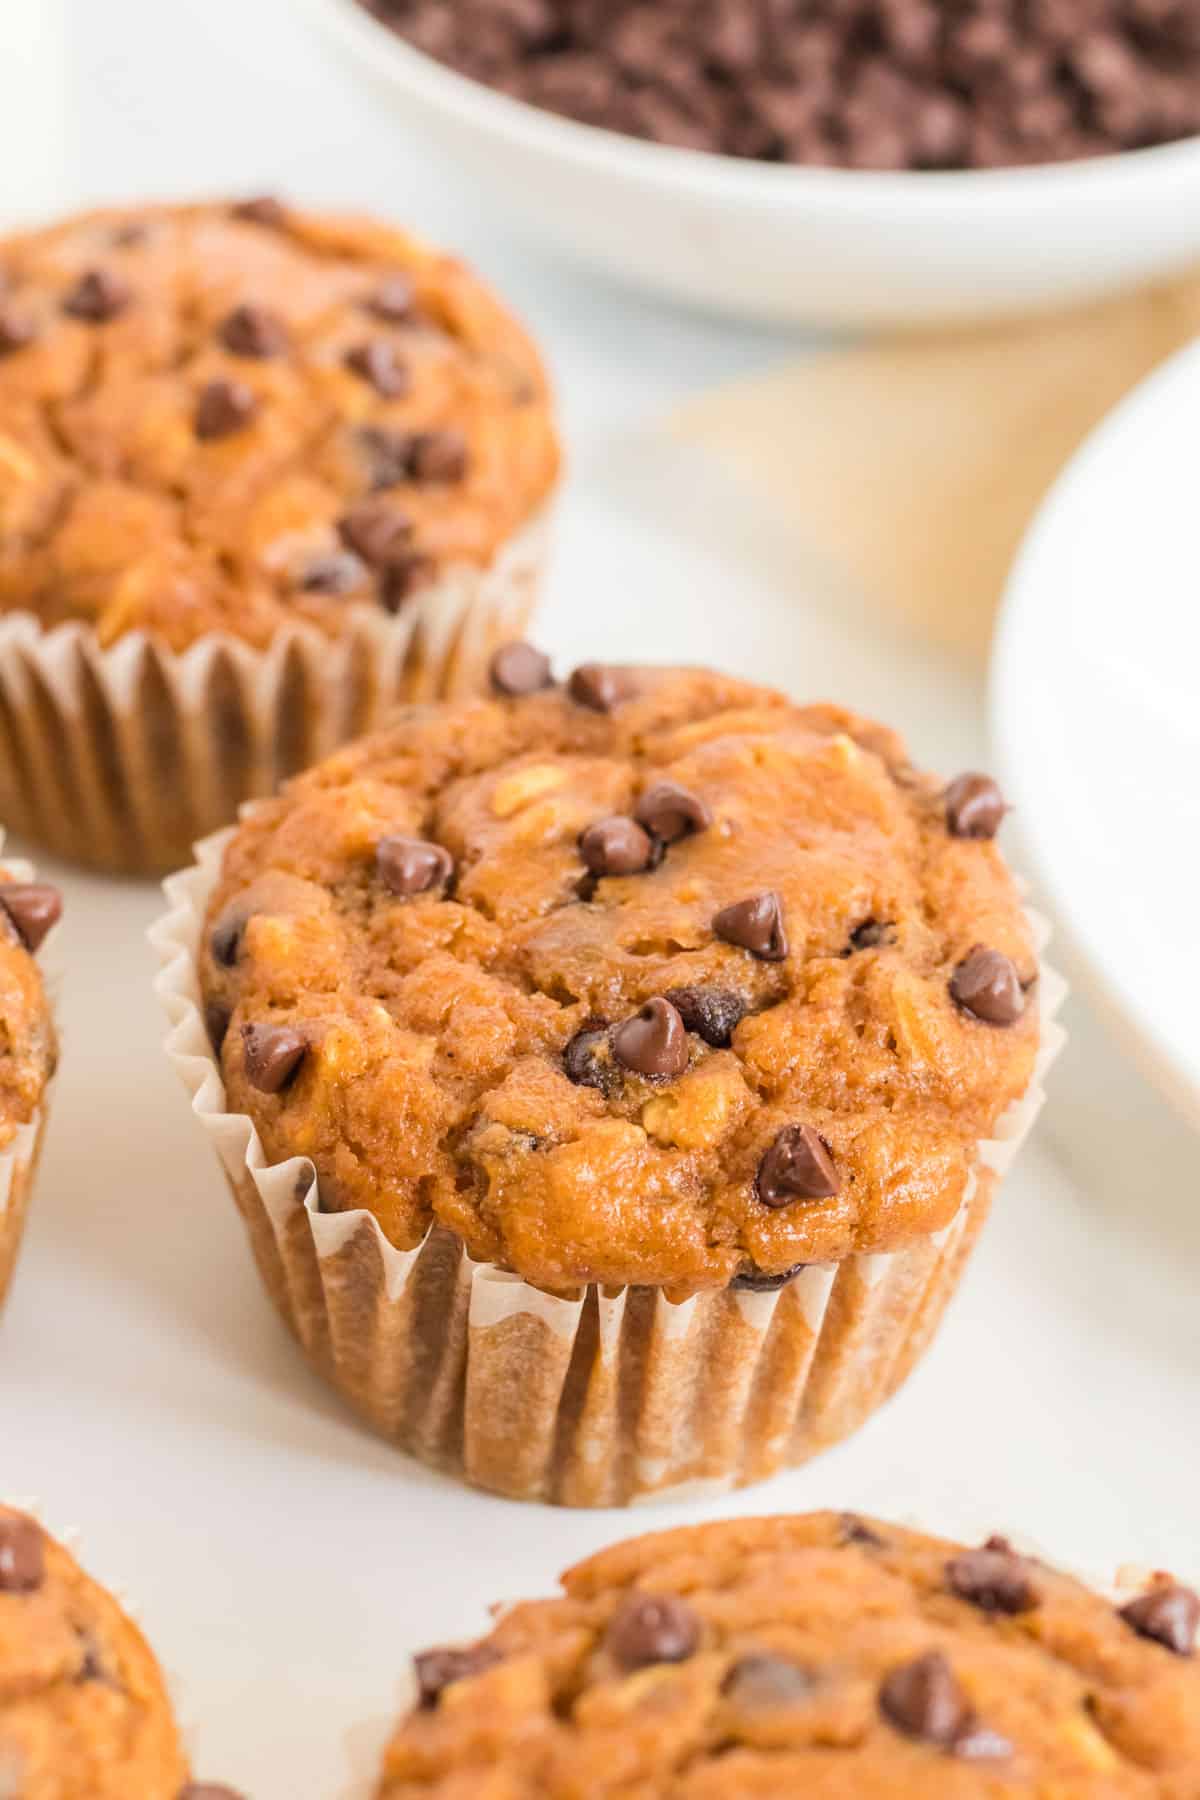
x: 263, y: 475
x: 29, y: 910
x: 613, y: 1078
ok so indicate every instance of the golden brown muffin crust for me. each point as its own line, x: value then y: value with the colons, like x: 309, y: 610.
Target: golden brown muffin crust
x: 417, y: 981
x: 822, y: 1655
x: 224, y: 418
x: 28, y: 1044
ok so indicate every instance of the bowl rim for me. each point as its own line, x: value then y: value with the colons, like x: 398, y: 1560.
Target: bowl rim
x: 717, y: 176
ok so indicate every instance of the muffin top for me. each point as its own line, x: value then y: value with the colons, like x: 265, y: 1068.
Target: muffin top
x: 651, y: 978
x: 232, y: 417
x: 823, y: 1655
x: 84, y: 1713
x: 28, y: 1046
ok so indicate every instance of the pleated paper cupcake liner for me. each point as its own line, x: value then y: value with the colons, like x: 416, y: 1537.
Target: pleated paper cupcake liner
x: 121, y: 758
x: 614, y: 1397
x: 19, y: 1159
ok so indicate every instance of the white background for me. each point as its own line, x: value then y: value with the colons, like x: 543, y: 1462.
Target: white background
x: 284, y: 1562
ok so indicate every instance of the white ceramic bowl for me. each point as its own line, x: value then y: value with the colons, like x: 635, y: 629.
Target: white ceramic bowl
x: 794, y: 245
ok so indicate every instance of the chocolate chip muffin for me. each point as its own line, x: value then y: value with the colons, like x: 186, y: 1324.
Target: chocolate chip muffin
x: 84, y: 1710
x: 261, y: 474
x: 660, y: 1031
x: 28, y: 1051
x: 823, y: 1655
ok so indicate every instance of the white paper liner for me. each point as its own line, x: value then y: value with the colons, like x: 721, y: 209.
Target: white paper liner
x: 123, y: 757
x: 607, y: 1399
x: 19, y: 1159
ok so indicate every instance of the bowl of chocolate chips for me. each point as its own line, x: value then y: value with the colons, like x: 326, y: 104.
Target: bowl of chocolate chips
x: 818, y: 162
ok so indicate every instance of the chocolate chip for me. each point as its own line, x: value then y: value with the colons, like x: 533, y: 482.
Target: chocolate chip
x: 271, y: 1055
x: 616, y: 846
x: 996, y: 1581
x: 652, y: 1628
x: 671, y: 812
x: 224, y: 407
x: 754, y: 1281
x: 389, y: 454
x: 600, y: 687
x: 393, y: 299
x: 974, y: 807
x: 97, y: 297
x: 411, y: 866
x: 923, y: 1699
x: 253, y: 331
x: 338, y: 572
x: 379, y: 363
x: 755, y: 925
x: 438, y: 456
x: 16, y: 330
x: 586, y: 1062
x: 986, y: 985
x: 436, y: 1670
x: 758, y: 1683
x: 92, y: 1665
x: 225, y: 939
x: 403, y: 578
x: 518, y: 669
x: 856, y: 1531
x: 216, y: 1023
x: 798, y: 1166
x: 22, y: 1555
x: 712, y: 1013
x: 653, y: 1042
x: 1167, y: 1615
x: 33, y: 907
x: 261, y: 209
x: 868, y: 936
x: 377, y: 531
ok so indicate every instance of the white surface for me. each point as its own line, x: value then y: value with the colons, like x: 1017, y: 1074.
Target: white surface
x: 285, y: 1562
x: 1095, y: 683
x: 804, y: 245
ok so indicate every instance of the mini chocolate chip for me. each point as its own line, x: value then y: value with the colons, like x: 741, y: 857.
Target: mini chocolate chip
x: 996, y: 1581
x: 338, y: 572
x: 754, y: 1281
x: 403, y: 578
x: 97, y: 297
x: 261, y: 209
x: 986, y: 985
x: 979, y: 1743
x: 1168, y: 1615
x: 377, y: 531
x: 518, y: 669
x: 923, y: 1699
x: 670, y: 812
x: 653, y: 1042
x: 271, y: 1055
x: 616, y: 846
x: 760, y: 1682
x: 438, y: 456
x: 16, y: 330
x: 856, y: 1531
x: 797, y: 1166
x: 601, y: 687
x: 33, y: 907
x: 436, y: 1670
x: 224, y: 407
x: 393, y: 299
x: 974, y: 807
x: 652, y: 1628
x: 225, y: 939
x: 91, y: 1660
x: 216, y: 1023
x: 869, y: 935
x: 755, y: 925
x: 585, y: 1062
x: 712, y: 1013
x: 379, y: 363
x: 22, y: 1555
x: 254, y: 331
x: 410, y: 866
x: 388, y: 453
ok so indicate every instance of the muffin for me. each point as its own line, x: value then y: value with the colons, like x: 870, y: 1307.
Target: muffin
x: 613, y: 1076
x: 84, y: 1710
x: 823, y: 1655
x: 28, y: 1050
x: 262, y: 473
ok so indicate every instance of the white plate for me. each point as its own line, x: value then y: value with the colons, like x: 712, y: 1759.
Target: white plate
x: 1095, y: 701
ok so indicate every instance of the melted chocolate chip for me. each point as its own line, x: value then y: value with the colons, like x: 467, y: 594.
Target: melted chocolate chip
x: 652, y: 1628
x: 587, y: 1063
x: 986, y: 985
x: 32, y: 908
x: 223, y: 408
x: 996, y: 1581
x: 712, y: 1013
x: 388, y: 454
x: 518, y: 669
x: 380, y: 363
x: 436, y: 1670
x: 261, y: 209
x: 1168, y: 1616
x: 869, y: 936
x: 254, y: 331
x: 438, y: 456
x: 923, y: 1699
x: 974, y: 807
x: 797, y: 1166
x: 271, y: 1056
x: 216, y: 1023
x: 376, y: 531
x: 337, y: 572
x: 97, y: 297
x: 225, y: 939
x: 857, y: 1531
x: 411, y: 866
x: 760, y: 1682
x: 600, y: 687
x: 652, y: 1043
x: 393, y: 299
x: 16, y: 330
x: 22, y: 1555
x: 403, y: 578
x: 754, y: 1281
x: 616, y: 846
x: 671, y: 812
x: 756, y: 925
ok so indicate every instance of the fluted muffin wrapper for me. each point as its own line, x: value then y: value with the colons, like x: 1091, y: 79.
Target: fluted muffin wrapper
x: 19, y: 1159
x: 617, y: 1396
x: 122, y: 757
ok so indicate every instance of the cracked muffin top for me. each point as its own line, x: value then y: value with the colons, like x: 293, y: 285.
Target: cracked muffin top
x: 232, y: 417
x: 649, y: 978
x: 822, y: 1655
x: 28, y: 1045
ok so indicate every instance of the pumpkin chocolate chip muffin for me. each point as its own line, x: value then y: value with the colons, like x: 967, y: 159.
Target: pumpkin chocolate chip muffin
x: 28, y: 1051
x: 658, y: 1021
x: 822, y: 1655
x: 268, y: 471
